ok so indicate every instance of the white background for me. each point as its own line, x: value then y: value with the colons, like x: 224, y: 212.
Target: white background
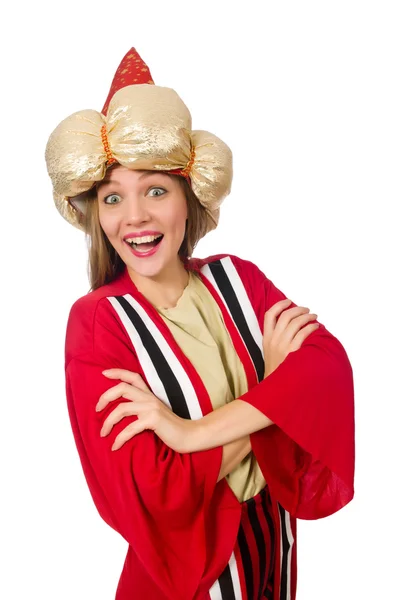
x: 305, y: 95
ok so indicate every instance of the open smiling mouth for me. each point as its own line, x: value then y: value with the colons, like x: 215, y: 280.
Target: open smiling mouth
x: 145, y: 245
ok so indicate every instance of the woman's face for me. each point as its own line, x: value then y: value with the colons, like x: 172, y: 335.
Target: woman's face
x: 139, y: 206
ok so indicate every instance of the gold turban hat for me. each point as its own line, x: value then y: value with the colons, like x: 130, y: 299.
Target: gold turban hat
x: 142, y: 126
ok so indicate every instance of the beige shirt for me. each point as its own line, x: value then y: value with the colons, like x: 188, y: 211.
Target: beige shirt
x: 197, y: 324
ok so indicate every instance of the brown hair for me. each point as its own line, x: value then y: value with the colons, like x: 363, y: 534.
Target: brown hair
x: 104, y: 264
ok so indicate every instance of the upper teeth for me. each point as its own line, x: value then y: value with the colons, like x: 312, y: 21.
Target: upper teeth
x: 144, y: 239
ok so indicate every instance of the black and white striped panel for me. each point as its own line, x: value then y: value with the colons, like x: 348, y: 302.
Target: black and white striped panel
x: 227, y: 282
x: 165, y: 374
x: 286, y: 543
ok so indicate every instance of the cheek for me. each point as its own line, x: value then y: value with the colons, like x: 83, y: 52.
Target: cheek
x: 175, y: 216
x: 177, y: 225
x: 108, y: 224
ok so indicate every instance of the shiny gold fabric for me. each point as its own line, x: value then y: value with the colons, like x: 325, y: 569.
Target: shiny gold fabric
x: 148, y: 127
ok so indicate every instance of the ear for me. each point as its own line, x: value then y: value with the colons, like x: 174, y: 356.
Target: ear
x: 79, y: 203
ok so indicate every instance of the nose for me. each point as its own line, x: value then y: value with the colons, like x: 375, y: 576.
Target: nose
x: 136, y: 210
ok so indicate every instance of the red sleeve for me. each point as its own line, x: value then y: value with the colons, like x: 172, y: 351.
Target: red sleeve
x: 308, y: 455
x: 157, y: 499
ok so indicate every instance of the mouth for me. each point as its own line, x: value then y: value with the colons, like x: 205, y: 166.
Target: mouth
x: 144, y: 246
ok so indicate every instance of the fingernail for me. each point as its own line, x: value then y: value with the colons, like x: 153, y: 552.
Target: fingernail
x: 105, y: 372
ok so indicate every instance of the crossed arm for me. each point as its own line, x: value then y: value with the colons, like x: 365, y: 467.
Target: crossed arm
x: 233, y: 454
x: 229, y: 421
x: 228, y: 426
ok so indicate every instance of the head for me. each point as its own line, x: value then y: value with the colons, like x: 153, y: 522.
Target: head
x: 130, y: 202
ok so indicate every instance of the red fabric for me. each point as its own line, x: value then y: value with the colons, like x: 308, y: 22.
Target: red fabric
x: 131, y: 71
x: 163, y: 503
x: 181, y: 525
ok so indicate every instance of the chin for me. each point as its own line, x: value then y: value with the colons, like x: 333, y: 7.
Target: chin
x: 146, y: 267
x: 151, y: 272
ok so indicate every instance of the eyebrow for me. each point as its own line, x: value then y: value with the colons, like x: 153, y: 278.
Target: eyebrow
x: 108, y: 181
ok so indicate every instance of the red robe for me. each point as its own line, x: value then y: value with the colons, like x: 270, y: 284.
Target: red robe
x: 180, y: 524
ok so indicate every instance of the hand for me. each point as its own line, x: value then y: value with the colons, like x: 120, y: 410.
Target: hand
x: 286, y: 335
x: 152, y: 413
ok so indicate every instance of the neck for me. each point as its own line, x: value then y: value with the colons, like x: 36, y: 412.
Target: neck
x: 164, y: 289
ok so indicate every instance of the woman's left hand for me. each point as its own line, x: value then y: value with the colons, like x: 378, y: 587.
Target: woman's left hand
x: 152, y: 413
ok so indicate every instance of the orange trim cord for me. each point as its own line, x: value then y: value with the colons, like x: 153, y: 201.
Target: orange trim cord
x: 186, y: 171
x: 105, y: 142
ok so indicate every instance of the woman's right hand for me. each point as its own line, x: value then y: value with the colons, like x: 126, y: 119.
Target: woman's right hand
x: 285, y: 334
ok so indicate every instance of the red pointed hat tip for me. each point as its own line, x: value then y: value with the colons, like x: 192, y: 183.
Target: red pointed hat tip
x: 131, y: 70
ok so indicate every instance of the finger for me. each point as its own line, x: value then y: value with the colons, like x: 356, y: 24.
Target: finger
x: 295, y: 325
x: 287, y: 316
x: 277, y: 308
x: 121, y: 390
x: 125, y: 409
x: 128, y: 433
x: 128, y: 376
x: 271, y: 316
x: 291, y: 313
x: 302, y: 335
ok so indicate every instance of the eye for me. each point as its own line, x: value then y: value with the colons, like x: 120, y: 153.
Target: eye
x: 110, y: 196
x: 157, y: 191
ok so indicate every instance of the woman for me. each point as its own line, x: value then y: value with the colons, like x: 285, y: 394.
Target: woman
x: 204, y: 404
